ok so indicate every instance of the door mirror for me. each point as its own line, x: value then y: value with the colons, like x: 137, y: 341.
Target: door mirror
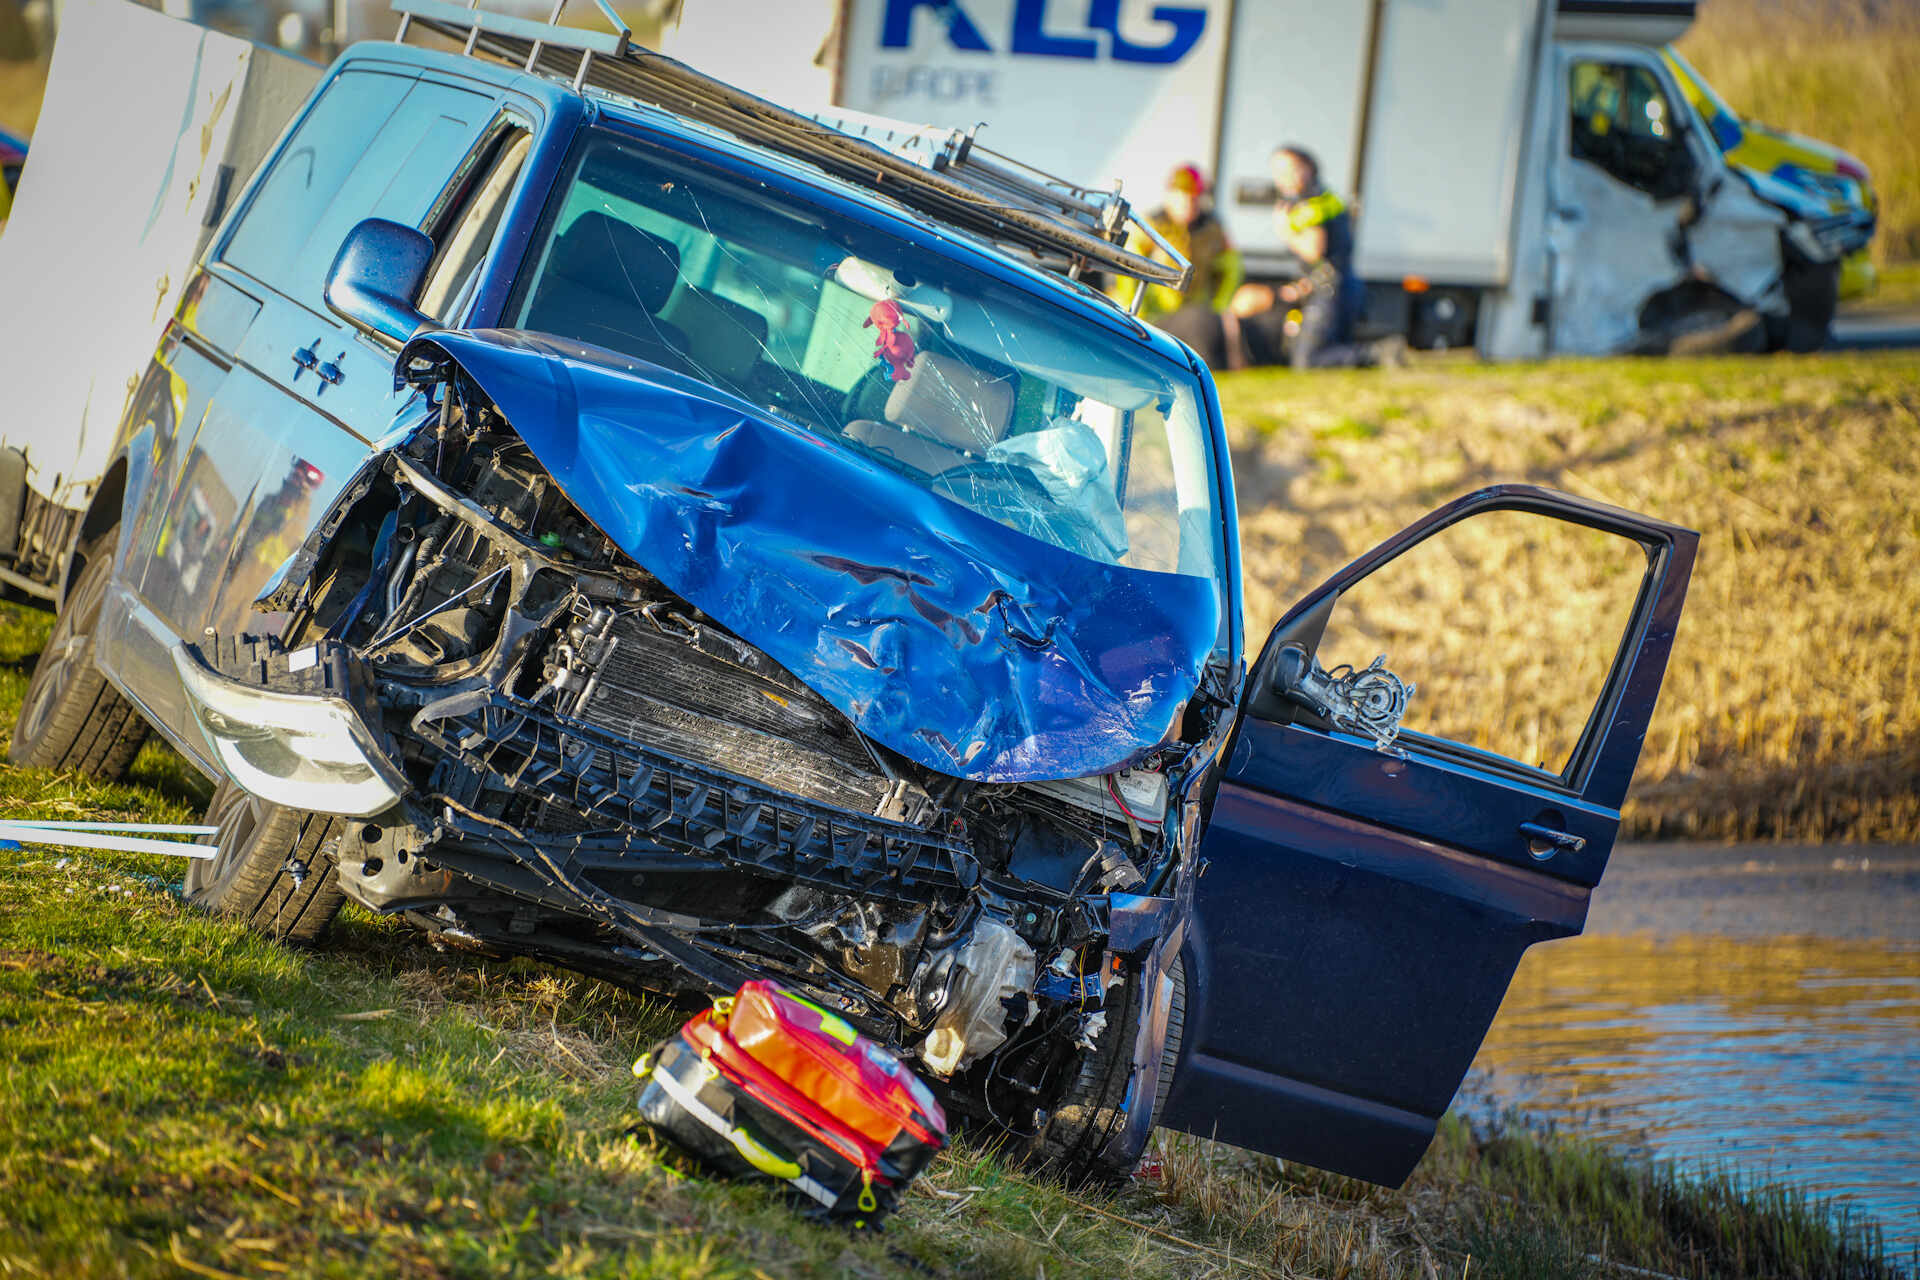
x: 377, y: 275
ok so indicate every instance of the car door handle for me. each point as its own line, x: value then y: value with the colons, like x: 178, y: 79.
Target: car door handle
x: 305, y: 359
x: 1543, y: 841
x: 1569, y: 213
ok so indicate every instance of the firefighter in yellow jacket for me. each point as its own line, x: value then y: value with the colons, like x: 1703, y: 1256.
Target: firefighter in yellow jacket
x: 1186, y: 221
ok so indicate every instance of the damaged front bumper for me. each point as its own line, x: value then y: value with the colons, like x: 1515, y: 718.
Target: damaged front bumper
x: 303, y: 750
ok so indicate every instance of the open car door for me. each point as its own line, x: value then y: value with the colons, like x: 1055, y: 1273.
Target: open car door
x: 1366, y: 887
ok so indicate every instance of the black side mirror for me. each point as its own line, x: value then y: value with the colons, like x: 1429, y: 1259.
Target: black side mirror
x: 376, y: 276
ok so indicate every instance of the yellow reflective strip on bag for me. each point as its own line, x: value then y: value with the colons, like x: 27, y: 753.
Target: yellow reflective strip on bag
x: 831, y: 1024
x: 761, y: 1158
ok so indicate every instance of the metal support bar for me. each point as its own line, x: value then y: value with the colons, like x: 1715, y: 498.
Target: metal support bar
x: 103, y: 835
x: 553, y: 20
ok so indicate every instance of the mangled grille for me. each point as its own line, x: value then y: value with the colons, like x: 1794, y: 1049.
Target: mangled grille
x: 657, y: 688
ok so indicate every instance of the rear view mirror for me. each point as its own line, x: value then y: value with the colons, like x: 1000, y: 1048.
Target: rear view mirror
x: 377, y: 275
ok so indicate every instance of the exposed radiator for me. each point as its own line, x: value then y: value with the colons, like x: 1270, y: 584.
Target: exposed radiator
x: 660, y: 689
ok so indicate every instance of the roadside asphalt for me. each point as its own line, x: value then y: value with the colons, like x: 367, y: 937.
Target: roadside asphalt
x: 1876, y: 329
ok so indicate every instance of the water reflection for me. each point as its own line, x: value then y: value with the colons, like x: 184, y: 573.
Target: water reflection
x: 1796, y: 1059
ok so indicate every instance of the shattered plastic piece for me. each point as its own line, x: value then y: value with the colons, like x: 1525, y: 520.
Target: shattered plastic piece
x: 996, y: 966
x: 1090, y: 1030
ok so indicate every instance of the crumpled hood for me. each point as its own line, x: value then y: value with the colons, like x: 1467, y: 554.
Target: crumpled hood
x: 966, y: 646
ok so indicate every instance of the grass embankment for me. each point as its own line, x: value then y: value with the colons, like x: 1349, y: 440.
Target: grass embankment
x: 1843, y: 71
x: 1792, y: 703
x: 178, y: 1095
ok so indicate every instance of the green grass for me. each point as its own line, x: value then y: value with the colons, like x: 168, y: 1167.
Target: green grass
x: 1897, y: 287
x: 180, y: 1096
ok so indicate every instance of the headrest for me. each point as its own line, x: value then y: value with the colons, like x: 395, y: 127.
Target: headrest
x: 724, y: 338
x: 607, y: 255
x: 952, y: 402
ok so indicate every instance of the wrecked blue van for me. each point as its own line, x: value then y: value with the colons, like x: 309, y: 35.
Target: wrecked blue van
x: 601, y: 516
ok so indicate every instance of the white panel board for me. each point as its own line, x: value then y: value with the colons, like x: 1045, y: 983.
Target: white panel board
x: 141, y: 111
x: 1295, y: 71
x: 1066, y: 92
x: 1451, y: 92
x: 782, y: 50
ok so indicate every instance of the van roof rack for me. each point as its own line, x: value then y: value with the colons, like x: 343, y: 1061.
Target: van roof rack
x: 941, y: 172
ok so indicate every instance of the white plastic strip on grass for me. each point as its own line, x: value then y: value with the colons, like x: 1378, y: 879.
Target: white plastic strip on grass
x: 98, y: 835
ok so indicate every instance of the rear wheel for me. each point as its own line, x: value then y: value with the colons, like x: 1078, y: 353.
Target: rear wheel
x: 71, y: 717
x: 275, y: 868
x: 1075, y: 1141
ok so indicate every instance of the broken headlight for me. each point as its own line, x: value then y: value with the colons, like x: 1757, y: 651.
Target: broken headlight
x: 297, y: 750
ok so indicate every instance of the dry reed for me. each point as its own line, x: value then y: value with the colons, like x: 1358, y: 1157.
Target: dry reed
x: 1792, y: 703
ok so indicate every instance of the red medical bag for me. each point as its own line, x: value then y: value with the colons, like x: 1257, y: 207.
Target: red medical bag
x: 767, y: 1082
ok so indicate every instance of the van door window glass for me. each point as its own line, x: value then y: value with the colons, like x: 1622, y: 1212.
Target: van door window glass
x: 308, y: 174
x: 1623, y: 121
x: 401, y: 176
x: 470, y: 232
x: 1553, y: 599
x: 397, y: 173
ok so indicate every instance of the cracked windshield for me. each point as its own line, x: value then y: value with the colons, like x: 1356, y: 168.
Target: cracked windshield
x: 963, y: 385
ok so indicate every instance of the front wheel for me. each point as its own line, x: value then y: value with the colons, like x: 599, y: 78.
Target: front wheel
x: 1076, y: 1137
x: 275, y: 868
x: 72, y: 717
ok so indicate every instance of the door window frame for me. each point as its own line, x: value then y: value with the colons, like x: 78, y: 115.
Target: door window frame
x: 505, y: 106
x: 1304, y: 624
x: 448, y: 211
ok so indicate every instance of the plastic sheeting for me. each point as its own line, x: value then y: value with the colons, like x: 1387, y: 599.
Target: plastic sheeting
x: 964, y: 645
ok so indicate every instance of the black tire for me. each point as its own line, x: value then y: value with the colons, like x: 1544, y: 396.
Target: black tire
x: 1073, y: 1144
x: 275, y: 868
x: 72, y: 717
x: 1813, y: 295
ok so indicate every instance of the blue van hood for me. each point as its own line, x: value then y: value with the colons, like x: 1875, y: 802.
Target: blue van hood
x: 964, y: 645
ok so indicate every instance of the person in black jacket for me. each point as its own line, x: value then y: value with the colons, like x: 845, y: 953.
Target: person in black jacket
x: 1311, y: 319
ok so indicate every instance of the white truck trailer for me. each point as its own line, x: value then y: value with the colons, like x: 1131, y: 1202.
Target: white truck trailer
x: 149, y: 130
x: 1528, y: 177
